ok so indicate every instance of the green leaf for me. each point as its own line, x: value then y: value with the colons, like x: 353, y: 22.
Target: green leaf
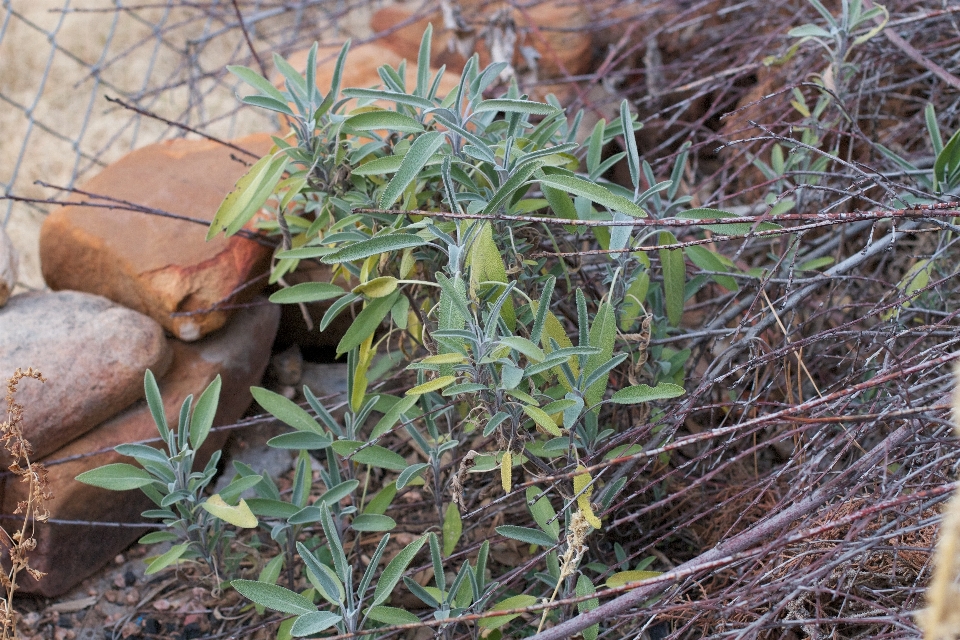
x: 268, y: 508
x: 286, y: 411
x: 157, y: 536
x: 338, y: 492
x: 394, y: 571
x: 155, y: 402
x: 524, y: 346
x: 256, y: 81
x: 733, y: 228
x: 710, y: 261
x: 382, y: 119
x: 265, y: 102
x: 374, y: 246
x: 274, y: 597
x: 543, y: 420
x: 452, y: 528
x: 593, y: 192
x: 516, y: 106
x: 466, y: 387
x: 381, y: 502
x: 674, y: 277
x: 238, y: 485
x: 642, y: 393
x: 947, y: 163
x: 515, y: 602
x: 512, y: 185
x: 374, y: 455
x: 300, y: 440
x: 366, y: 322
x: 543, y: 513
x: 322, y: 577
x: 808, y: 31
x: 378, y: 167
x: 204, y: 413
x: 238, y: 516
x: 165, y: 560
x: 410, y: 473
x: 249, y: 195
x: 392, y: 416
x: 373, y: 522
x: 307, y: 292
x: 391, y: 615
x: 527, y: 535
x: 314, y: 622
x: 603, y: 333
x: 432, y: 385
x: 118, y: 476
x: 633, y: 156
x: 585, y: 588
x: 393, y: 96
x: 633, y: 300
x: 415, y: 159
x: 624, y: 577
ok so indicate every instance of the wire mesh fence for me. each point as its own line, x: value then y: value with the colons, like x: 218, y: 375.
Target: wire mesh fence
x: 61, y: 63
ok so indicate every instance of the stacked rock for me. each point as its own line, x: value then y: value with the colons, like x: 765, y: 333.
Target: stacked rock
x: 135, y: 287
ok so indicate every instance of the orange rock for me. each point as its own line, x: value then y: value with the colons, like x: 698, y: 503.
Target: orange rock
x: 68, y: 553
x: 158, y: 265
x: 557, y: 30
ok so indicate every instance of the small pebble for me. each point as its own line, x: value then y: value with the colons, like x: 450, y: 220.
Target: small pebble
x: 130, y: 578
x: 111, y: 595
x: 132, y: 597
x: 119, y: 582
x: 119, y: 559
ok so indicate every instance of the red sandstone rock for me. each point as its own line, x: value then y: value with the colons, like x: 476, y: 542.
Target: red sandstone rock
x: 361, y: 67
x: 69, y: 553
x: 93, y: 354
x: 157, y: 265
x: 557, y: 30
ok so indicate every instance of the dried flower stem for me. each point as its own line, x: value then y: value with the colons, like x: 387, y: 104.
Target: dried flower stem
x: 21, y: 542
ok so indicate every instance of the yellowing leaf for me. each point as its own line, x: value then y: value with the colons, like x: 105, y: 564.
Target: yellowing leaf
x: 432, y: 385
x: 624, y: 577
x: 581, y: 481
x: 515, y: 602
x: 543, y: 420
x: 506, y: 471
x: 377, y: 288
x: 407, y: 263
x: 486, y: 265
x: 552, y: 328
x: 445, y: 358
x: 238, y: 516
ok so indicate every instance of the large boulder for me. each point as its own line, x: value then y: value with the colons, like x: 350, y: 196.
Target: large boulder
x: 68, y: 553
x: 158, y: 265
x: 93, y: 353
